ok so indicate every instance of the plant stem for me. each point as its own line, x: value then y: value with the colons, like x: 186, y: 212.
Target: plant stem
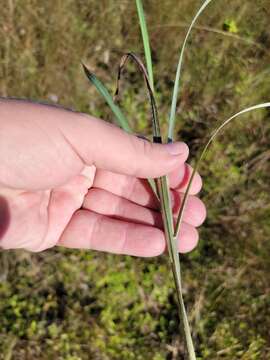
x: 162, y: 183
x: 165, y: 208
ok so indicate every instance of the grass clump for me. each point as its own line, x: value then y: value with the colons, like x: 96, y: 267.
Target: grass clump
x: 162, y: 188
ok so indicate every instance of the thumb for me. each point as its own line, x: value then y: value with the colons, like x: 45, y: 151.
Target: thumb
x: 109, y: 147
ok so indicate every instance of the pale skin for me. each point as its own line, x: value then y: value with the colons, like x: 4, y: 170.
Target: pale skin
x: 69, y: 179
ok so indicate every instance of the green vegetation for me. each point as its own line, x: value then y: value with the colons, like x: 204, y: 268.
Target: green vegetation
x: 72, y: 305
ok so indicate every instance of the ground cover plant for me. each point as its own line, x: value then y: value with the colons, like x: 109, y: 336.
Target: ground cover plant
x: 68, y: 304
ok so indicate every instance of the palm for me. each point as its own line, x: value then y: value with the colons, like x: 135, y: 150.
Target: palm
x: 43, y: 215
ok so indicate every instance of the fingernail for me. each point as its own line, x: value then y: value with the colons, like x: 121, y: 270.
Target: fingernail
x: 176, y: 148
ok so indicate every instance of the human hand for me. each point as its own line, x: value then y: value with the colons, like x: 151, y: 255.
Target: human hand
x: 72, y: 180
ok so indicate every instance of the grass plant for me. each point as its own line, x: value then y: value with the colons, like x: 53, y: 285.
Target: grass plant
x: 162, y: 190
x: 76, y: 305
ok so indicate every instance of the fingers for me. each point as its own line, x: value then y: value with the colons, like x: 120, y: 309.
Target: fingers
x: 108, y: 147
x: 88, y: 230
x: 128, y: 187
x: 44, y: 146
x: 195, y: 210
x: 188, y: 238
x: 106, y: 203
x: 139, y: 191
x: 179, y: 179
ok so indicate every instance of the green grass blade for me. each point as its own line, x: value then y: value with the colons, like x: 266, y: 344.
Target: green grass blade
x: 146, y: 43
x: 121, y: 119
x: 179, y: 70
x: 212, y: 137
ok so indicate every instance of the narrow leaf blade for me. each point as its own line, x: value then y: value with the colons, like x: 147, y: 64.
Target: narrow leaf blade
x: 179, y: 71
x: 121, y: 119
x: 196, y: 167
x: 146, y: 43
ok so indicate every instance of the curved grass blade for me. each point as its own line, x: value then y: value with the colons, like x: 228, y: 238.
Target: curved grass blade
x: 120, y: 117
x: 178, y: 72
x: 136, y: 59
x: 146, y: 43
x: 155, y: 121
x: 212, y: 137
x: 233, y: 36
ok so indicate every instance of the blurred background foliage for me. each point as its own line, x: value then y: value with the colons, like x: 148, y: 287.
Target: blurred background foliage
x: 76, y: 305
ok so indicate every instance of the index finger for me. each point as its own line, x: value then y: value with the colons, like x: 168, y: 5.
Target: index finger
x: 139, y: 191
